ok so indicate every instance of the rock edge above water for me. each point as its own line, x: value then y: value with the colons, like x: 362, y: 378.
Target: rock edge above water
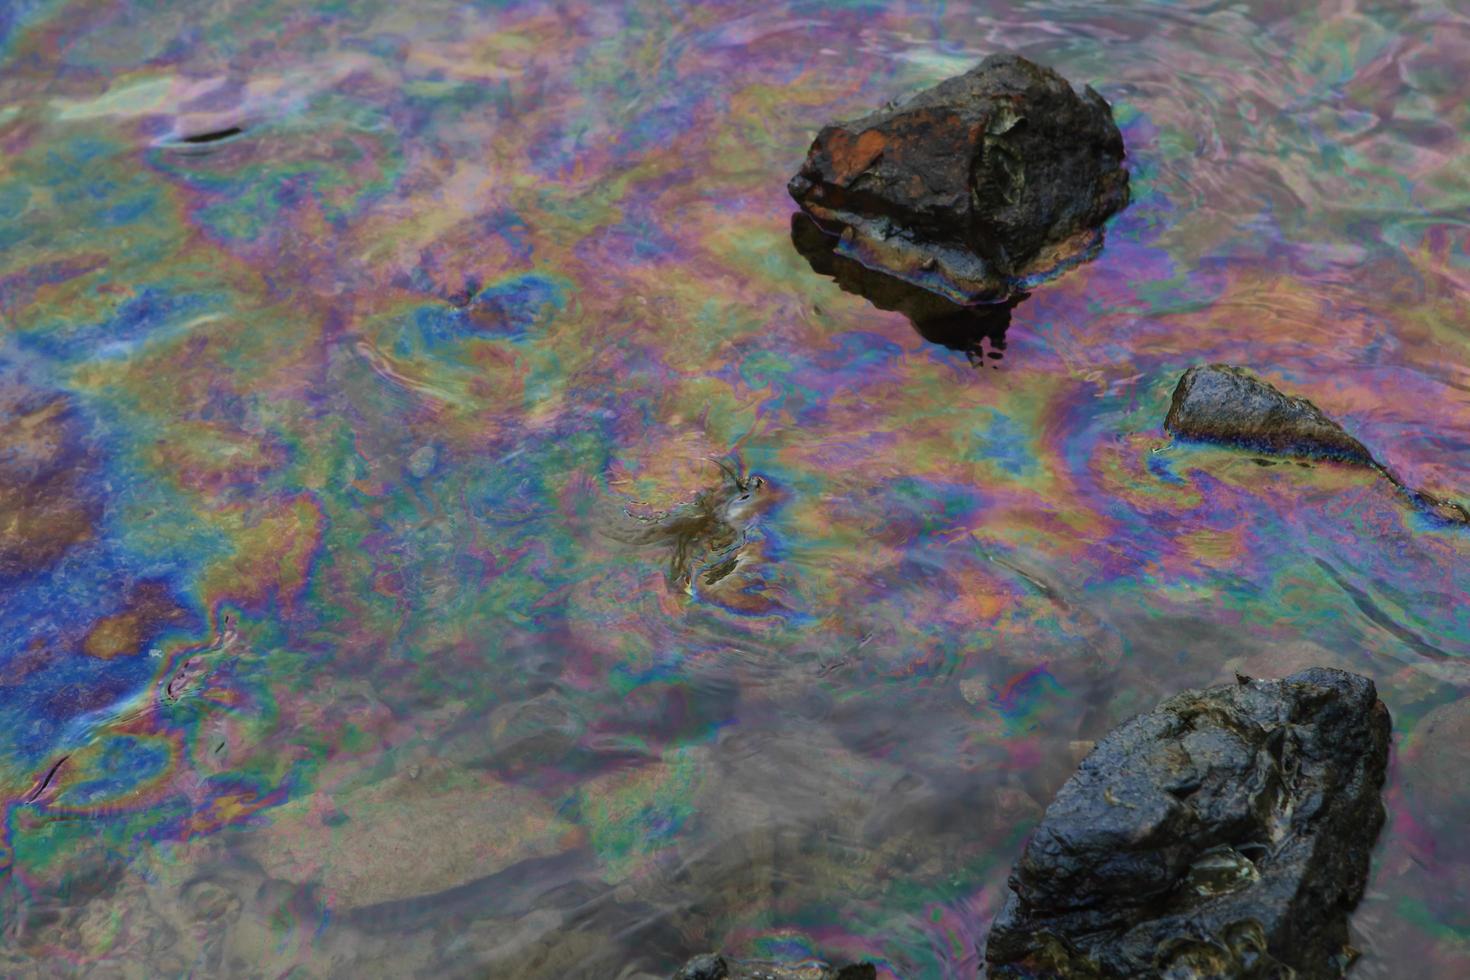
x: 1221, y: 403
x: 1227, y: 833
x: 974, y: 188
x: 1226, y: 404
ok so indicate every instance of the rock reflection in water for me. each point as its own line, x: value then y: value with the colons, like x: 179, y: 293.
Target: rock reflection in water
x: 978, y: 332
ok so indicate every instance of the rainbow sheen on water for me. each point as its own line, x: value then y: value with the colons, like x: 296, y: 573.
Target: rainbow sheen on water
x: 449, y: 530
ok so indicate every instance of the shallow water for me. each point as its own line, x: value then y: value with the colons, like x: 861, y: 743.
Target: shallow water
x: 450, y: 530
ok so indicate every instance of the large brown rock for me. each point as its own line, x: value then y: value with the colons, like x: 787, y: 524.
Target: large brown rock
x: 973, y: 188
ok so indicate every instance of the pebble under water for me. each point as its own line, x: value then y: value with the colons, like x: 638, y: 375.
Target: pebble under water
x: 448, y: 529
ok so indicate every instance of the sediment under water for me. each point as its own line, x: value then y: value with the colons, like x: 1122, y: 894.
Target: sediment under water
x: 343, y: 342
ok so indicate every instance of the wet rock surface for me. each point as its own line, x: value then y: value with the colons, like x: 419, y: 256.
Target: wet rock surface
x: 712, y: 966
x: 1221, y: 403
x: 1225, y: 404
x: 1227, y: 833
x: 973, y: 188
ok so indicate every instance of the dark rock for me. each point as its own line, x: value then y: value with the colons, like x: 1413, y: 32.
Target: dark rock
x: 1220, y: 403
x: 712, y: 966
x: 973, y: 188
x: 1227, y: 833
x: 978, y: 331
x: 1225, y: 404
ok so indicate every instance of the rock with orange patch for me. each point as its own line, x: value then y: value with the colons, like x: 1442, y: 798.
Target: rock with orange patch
x: 45, y: 508
x: 974, y: 188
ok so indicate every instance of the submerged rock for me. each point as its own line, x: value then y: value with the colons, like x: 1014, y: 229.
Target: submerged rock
x: 418, y: 832
x: 974, y: 188
x: 1435, y: 760
x: 1226, y: 404
x: 712, y: 966
x: 1227, y: 833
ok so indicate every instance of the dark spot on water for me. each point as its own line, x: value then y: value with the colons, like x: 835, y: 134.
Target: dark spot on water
x: 46, y: 780
x: 212, y: 137
x: 721, y: 570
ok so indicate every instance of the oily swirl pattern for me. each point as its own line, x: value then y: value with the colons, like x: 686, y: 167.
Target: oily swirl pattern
x: 446, y: 527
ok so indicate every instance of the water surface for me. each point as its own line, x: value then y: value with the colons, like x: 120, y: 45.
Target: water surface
x: 450, y: 530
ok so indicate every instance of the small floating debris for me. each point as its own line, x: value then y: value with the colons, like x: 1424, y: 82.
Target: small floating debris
x: 44, y: 782
x: 705, y: 536
x: 213, y: 137
x: 201, y: 141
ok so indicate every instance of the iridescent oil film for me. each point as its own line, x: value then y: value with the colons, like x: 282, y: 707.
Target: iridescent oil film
x: 448, y: 529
